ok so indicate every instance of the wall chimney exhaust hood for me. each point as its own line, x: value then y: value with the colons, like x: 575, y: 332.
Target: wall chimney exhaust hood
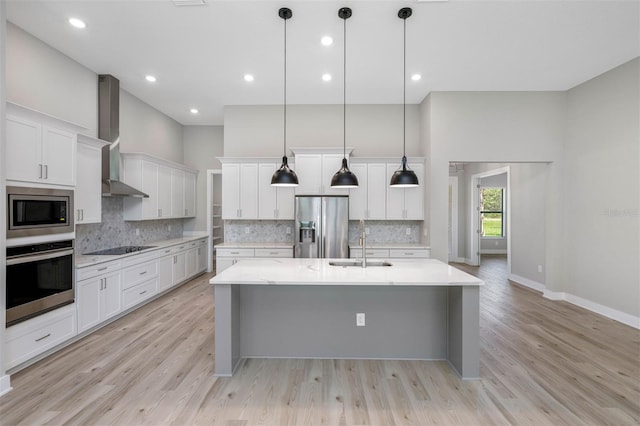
x: 109, y: 130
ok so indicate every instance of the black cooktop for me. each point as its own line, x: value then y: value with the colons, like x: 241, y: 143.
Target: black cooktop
x: 120, y: 250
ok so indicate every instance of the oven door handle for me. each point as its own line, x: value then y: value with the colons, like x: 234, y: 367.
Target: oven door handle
x: 38, y: 257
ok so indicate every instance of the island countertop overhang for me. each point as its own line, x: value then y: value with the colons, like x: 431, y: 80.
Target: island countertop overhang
x: 410, y: 272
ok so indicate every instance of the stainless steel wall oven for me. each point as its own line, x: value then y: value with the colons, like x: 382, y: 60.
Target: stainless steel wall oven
x: 40, y: 278
x: 38, y: 211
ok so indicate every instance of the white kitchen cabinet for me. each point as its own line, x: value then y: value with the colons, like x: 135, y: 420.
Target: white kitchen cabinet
x: 165, y: 270
x: 39, y: 153
x: 405, y: 203
x: 88, y: 193
x: 98, y: 298
x: 189, y: 194
x: 315, y: 167
x: 164, y: 182
x: 240, y: 191
x: 180, y: 265
x: 390, y: 253
x: 227, y: 256
x: 368, y: 201
x: 201, y: 261
x: 273, y: 202
x: 37, y: 335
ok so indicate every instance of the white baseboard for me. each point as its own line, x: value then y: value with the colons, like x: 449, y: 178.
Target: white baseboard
x: 527, y: 282
x: 493, y: 251
x: 5, y: 384
x: 614, y: 314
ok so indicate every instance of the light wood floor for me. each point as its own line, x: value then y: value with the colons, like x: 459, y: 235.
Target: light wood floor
x: 542, y: 362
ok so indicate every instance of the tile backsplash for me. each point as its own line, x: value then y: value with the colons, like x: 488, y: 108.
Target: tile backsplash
x: 270, y: 231
x: 115, y: 232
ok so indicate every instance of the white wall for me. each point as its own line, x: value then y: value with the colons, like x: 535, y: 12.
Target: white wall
x: 372, y: 130
x: 601, y: 182
x: 202, y: 144
x: 44, y: 79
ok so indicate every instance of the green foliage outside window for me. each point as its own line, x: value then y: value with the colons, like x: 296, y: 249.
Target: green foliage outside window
x: 491, y: 212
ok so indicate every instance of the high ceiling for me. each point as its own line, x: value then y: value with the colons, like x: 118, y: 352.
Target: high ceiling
x: 200, y: 54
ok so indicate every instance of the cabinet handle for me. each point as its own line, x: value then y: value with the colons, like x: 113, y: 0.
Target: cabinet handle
x: 185, y: 212
x: 143, y: 272
x: 44, y: 337
x: 39, y: 171
x: 235, y: 252
x: 82, y: 214
x: 103, y: 269
x: 273, y: 252
x: 46, y: 171
x: 175, y: 259
x: 159, y: 212
x: 167, y: 251
x: 142, y: 293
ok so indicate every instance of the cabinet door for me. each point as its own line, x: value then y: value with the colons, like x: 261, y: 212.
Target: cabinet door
x: 111, y: 296
x: 191, y: 261
x: 223, y: 263
x: 230, y: 191
x: 165, y: 273
x: 202, y: 258
x: 59, y: 156
x: 395, y: 196
x: 88, y: 303
x: 248, y: 191
x: 189, y: 194
x: 358, y: 196
x: 150, y: 187
x: 414, y: 197
x: 164, y: 192
x: 179, y: 267
x: 377, y: 184
x: 331, y: 163
x: 88, y: 194
x: 24, y: 150
x: 286, y: 202
x: 177, y: 193
x: 309, y: 171
x: 267, y: 194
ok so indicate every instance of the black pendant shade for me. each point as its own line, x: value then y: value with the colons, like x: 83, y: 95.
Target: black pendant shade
x: 344, y: 178
x: 284, y: 176
x: 404, y: 177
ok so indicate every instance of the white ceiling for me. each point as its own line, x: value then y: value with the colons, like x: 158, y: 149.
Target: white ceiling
x: 200, y: 53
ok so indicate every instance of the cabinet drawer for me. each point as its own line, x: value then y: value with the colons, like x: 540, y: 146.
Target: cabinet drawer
x: 37, y: 335
x: 139, y: 273
x: 229, y: 252
x: 399, y: 254
x: 139, y: 258
x: 139, y: 293
x: 95, y: 270
x: 372, y: 253
x: 280, y: 252
x: 167, y: 251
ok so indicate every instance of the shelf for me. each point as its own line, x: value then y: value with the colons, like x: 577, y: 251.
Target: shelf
x: 217, y: 227
x: 216, y: 238
x: 216, y: 216
x: 217, y: 205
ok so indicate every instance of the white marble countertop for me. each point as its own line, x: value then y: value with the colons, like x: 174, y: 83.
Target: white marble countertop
x: 393, y: 246
x: 254, y: 245
x: 82, y: 260
x: 412, y: 272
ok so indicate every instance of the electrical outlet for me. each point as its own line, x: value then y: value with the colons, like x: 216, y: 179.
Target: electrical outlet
x: 366, y: 231
x: 408, y: 231
x: 137, y: 231
x: 247, y: 230
x: 288, y: 230
x: 539, y: 268
x: 360, y: 320
x: 496, y: 243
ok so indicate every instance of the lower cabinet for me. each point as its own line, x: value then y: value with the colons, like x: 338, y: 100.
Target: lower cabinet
x: 165, y: 271
x: 179, y: 266
x: 98, y: 299
x: 30, y: 338
x: 139, y: 293
x: 226, y: 256
x: 390, y: 253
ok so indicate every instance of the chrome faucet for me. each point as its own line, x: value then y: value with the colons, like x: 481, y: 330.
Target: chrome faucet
x: 363, y: 243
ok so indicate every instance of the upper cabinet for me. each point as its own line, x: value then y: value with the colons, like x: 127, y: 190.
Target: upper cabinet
x: 88, y: 195
x: 239, y: 190
x: 273, y: 202
x: 405, y: 203
x: 315, y: 167
x: 40, y: 148
x: 170, y: 186
x: 368, y: 200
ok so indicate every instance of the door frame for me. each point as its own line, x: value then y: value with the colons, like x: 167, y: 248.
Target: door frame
x: 454, y: 219
x: 210, y: 174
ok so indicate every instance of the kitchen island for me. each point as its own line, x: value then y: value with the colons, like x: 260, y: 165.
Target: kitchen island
x: 306, y: 308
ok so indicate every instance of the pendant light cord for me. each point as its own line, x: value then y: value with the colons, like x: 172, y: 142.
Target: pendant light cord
x: 284, y: 148
x: 404, y: 91
x: 344, y: 93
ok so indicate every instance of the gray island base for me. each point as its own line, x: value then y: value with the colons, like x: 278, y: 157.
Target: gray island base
x: 306, y: 308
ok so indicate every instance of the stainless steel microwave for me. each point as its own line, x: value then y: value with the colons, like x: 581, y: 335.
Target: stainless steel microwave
x: 38, y: 211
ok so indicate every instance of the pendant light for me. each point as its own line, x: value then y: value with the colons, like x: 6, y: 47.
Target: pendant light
x: 344, y: 178
x: 404, y: 177
x: 284, y: 176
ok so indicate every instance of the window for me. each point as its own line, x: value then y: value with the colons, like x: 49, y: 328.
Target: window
x: 492, y: 212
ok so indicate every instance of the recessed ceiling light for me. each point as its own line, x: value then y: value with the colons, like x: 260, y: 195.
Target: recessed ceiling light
x: 151, y: 79
x: 78, y: 23
x: 326, y: 41
x: 416, y: 77
x: 326, y: 77
x: 194, y: 110
x: 248, y: 77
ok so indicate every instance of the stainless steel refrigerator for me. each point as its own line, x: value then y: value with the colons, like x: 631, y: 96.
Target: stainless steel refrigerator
x: 322, y: 226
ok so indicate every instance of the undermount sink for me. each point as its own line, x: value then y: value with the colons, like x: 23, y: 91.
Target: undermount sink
x: 358, y: 263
